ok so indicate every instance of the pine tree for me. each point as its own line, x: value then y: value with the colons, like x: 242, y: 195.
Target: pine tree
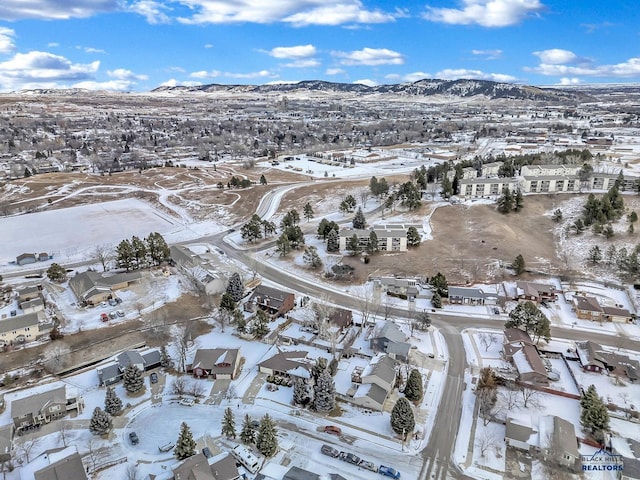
x: 307, y: 211
x: 318, y: 367
x: 267, y: 441
x: 413, y: 237
x: 260, y: 324
x: 228, y: 424
x: 248, y: 433
x: 157, y: 248
x: 402, y: 419
x: 186, y: 445
x: 139, y: 251
x: 333, y: 367
x: 112, y: 403
x: 311, y: 257
x: 56, y: 273
x: 359, y: 222
x: 506, y: 201
x: 594, y: 415
x: 413, y: 389
x: 235, y: 287
x: 518, y: 200
x: 436, y: 300
x: 333, y: 241
x: 353, y: 244
x: 124, y: 255
x: 283, y: 245
x: 301, y: 392
x: 372, y: 244
x: 518, y: 265
x: 227, y: 303
x: 324, y: 392
x: 132, y: 379
x: 100, y: 422
x: 595, y: 255
x: 263, y: 180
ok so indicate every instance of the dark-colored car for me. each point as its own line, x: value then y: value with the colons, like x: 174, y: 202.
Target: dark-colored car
x: 133, y: 437
x: 330, y: 451
x: 389, y: 472
x: 350, y: 458
x: 206, y: 452
x: 332, y: 429
x: 153, y: 377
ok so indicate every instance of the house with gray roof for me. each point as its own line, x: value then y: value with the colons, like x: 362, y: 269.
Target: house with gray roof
x: 391, y: 238
x: 391, y: 340
x: 68, y: 468
x: 558, y: 442
x: 111, y: 373
x: 92, y: 288
x: 26, y: 258
x: 219, y: 363
x: 371, y: 387
x: 205, y: 269
x: 21, y: 329
x: 297, y: 473
x: 471, y: 296
x: 223, y: 467
x: 44, y: 407
x: 519, y: 435
x: 287, y: 364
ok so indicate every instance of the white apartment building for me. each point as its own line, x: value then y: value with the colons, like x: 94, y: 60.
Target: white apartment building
x: 486, y: 187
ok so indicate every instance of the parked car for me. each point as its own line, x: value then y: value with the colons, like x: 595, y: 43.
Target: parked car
x: 118, y: 300
x: 113, y: 315
x: 104, y: 317
x: 388, y: 472
x: 153, y: 377
x: 187, y: 402
x: 133, y: 437
x: 350, y: 458
x: 112, y: 302
x: 206, y: 452
x: 332, y: 429
x: 14, y: 313
x: 330, y: 451
x: 166, y: 447
x: 368, y: 465
x: 120, y: 313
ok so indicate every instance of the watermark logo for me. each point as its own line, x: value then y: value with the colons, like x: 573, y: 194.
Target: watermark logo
x: 602, y: 461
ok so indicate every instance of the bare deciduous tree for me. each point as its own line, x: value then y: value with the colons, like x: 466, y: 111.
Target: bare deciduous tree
x: 485, y: 441
x: 25, y: 447
x: 530, y: 397
x: 510, y: 399
x: 364, y: 196
x: 182, y: 341
x: 197, y: 389
x: 179, y: 386
x: 486, y: 340
x: 64, y: 431
x: 104, y: 254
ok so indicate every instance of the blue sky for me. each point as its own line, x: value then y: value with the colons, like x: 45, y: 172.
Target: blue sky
x: 137, y: 45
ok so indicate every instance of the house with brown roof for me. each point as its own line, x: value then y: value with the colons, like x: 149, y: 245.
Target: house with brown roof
x: 92, y: 287
x: 219, y: 363
x: 287, y: 364
x: 535, y: 292
x: 26, y: 258
x: 273, y: 301
x: 593, y: 358
x: 519, y: 349
x: 198, y: 467
x: 341, y: 318
x: 587, y: 308
x: 42, y: 408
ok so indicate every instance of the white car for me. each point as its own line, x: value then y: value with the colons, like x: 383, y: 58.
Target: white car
x: 187, y: 402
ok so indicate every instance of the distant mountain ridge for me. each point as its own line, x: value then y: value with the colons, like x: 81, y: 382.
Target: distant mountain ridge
x: 425, y: 87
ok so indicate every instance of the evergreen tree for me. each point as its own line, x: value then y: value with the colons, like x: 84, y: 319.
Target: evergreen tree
x: 319, y: 367
x: 436, y: 300
x: 311, y: 257
x: 157, y: 248
x: 263, y: 180
x: 557, y: 215
x: 227, y: 303
x: 439, y: 284
x: 324, y: 392
x: 529, y: 317
x: 239, y: 321
x: 124, y: 255
x: 27, y: 173
x: 402, y: 419
x: 295, y: 236
x: 132, y: 379
x: 595, y: 255
x: 268, y: 228
x: 252, y: 230
x: 518, y: 265
x: 413, y: 237
x: 353, y: 244
x: 185, y: 445
x: 301, y: 393
x: 518, y: 201
x: 594, y: 414
x: 260, y: 324
x: 228, y: 424
x: 139, y: 251
x: 506, y: 201
x: 372, y: 245
x: 56, y: 273
x: 283, y: 245
x: 578, y: 226
x: 112, y: 403
x: 333, y: 367
x: 333, y: 241
x: 351, y: 202
x: 235, y: 287
x: 307, y: 211
x: 267, y: 441
x: 359, y: 222
x: 413, y: 389
x: 248, y: 433
x: 100, y: 423
x: 447, y: 188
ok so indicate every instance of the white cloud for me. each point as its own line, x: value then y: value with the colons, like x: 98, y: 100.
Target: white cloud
x: 488, y: 54
x: 298, y: 51
x: 487, y: 13
x: 90, y: 49
x: 334, y: 71
x: 153, y: 11
x: 6, y: 40
x: 53, y: 44
x: 172, y: 82
x: 576, y: 66
x: 415, y: 76
x: 208, y: 45
x: 454, y: 74
x: 555, y: 56
x: 216, y: 74
x: 370, y: 56
x: 296, y: 12
x: 367, y: 82
x: 55, y: 9
x: 43, y: 70
x: 570, y: 81
x: 124, y: 74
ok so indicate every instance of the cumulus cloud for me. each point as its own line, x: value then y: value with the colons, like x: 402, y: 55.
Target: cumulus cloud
x: 154, y: 12
x: 628, y: 68
x: 172, y: 82
x: 454, y: 74
x: 124, y: 74
x: 43, y: 70
x: 555, y: 56
x: 296, y: 12
x: 488, y: 54
x: 368, y: 82
x: 334, y: 71
x: 487, y: 13
x: 298, y: 51
x: 90, y: 49
x: 6, y: 40
x: 570, y: 81
x: 55, y: 9
x: 370, y: 57
x: 208, y: 45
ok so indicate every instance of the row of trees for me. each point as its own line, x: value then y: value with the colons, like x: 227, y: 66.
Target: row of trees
x: 264, y: 437
x: 510, y: 202
x: 139, y: 252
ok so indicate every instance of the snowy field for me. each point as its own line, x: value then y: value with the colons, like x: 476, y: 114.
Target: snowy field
x: 66, y: 232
